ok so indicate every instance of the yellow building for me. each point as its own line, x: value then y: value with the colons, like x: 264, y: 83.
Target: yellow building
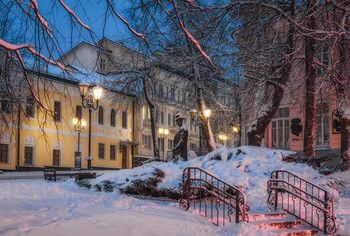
x: 47, y: 138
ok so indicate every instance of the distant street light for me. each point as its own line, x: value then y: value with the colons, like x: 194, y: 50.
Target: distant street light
x: 223, y: 138
x: 79, y: 125
x: 90, y: 101
x: 163, y: 134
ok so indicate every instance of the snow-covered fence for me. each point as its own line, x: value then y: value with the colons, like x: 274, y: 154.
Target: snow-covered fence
x: 308, y: 202
x: 213, y: 197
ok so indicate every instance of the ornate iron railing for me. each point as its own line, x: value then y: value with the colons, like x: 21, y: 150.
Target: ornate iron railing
x: 213, y: 197
x: 306, y: 201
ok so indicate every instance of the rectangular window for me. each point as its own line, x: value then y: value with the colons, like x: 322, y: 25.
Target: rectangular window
x: 101, y: 150
x: 57, y: 110
x: 146, y: 141
x: 170, y: 144
x: 124, y: 120
x: 144, y: 112
x: 162, y: 117
x: 28, y: 155
x: 161, y: 90
x: 169, y: 119
x: 184, y: 97
x: 102, y: 64
x: 30, y: 107
x: 149, y: 113
x: 193, y: 146
x: 6, y: 106
x: 78, y: 111
x: 157, y: 116
x: 280, y: 128
x: 322, y: 126
x: 56, y: 157
x: 322, y: 55
x: 167, y: 92
x: 172, y: 98
x: 4, y: 153
x: 178, y: 95
x: 112, y: 152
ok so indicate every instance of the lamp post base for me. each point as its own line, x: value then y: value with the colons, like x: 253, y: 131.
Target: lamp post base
x: 89, y: 159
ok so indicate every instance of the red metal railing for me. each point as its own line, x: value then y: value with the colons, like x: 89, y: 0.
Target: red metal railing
x: 306, y: 201
x: 213, y: 197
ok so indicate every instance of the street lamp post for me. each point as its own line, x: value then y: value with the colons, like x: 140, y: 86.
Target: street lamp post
x: 90, y: 101
x: 195, y: 118
x: 79, y: 125
x: 163, y: 134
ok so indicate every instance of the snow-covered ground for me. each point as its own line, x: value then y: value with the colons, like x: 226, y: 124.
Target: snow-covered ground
x: 39, y: 207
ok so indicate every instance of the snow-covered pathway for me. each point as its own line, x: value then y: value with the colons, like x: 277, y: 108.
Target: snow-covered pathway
x: 38, y: 207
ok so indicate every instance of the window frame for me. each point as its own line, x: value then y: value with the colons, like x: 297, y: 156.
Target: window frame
x: 78, y: 111
x: 25, y: 155
x: 282, y: 123
x: 57, y: 111
x: 124, y: 120
x: 100, y: 115
x: 56, y: 157
x: 101, y: 151
x: 30, y: 107
x: 113, y: 118
x: 4, y: 158
x: 113, y: 152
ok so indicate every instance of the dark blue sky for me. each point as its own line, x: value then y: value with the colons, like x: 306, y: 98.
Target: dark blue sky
x: 92, y: 14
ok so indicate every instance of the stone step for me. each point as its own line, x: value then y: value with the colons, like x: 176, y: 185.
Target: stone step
x: 302, y: 231
x: 263, y: 216
x: 283, y: 223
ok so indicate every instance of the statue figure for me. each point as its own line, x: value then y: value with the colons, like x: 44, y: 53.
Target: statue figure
x: 180, y: 140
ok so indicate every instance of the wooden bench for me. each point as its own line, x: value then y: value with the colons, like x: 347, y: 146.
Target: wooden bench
x: 51, y: 174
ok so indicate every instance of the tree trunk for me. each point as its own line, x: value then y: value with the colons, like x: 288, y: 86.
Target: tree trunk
x: 257, y: 129
x: 310, y: 87
x: 153, y: 126
x: 344, y: 102
x: 206, y: 122
x: 345, y: 142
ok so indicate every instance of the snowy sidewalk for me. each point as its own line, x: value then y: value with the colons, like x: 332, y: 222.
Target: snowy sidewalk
x: 4, y: 175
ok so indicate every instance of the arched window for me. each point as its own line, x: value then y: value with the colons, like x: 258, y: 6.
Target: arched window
x: 124, y: 120
x: 113, y: 118
x: 100, y: 115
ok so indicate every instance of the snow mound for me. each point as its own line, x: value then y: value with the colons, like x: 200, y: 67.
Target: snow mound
x: 246, y: 167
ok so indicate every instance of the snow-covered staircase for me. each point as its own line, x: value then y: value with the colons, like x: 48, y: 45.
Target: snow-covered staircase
x: 281, y: 223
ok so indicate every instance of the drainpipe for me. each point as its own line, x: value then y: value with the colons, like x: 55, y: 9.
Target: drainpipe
x: 18, y: 136
x: 133, y: 132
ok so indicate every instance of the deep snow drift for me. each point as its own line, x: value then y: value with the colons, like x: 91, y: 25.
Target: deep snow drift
x: 246, y: 167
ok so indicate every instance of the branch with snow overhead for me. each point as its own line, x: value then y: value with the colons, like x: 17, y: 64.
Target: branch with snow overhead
x: 15, y: 48
x: 143, y: 37
x: 187, y: 33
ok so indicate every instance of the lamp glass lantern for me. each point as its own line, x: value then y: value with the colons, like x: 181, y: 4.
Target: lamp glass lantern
x: 97, y: 91
x: 83, y: 87
x: 193, y: 113
x: 207, y: 113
